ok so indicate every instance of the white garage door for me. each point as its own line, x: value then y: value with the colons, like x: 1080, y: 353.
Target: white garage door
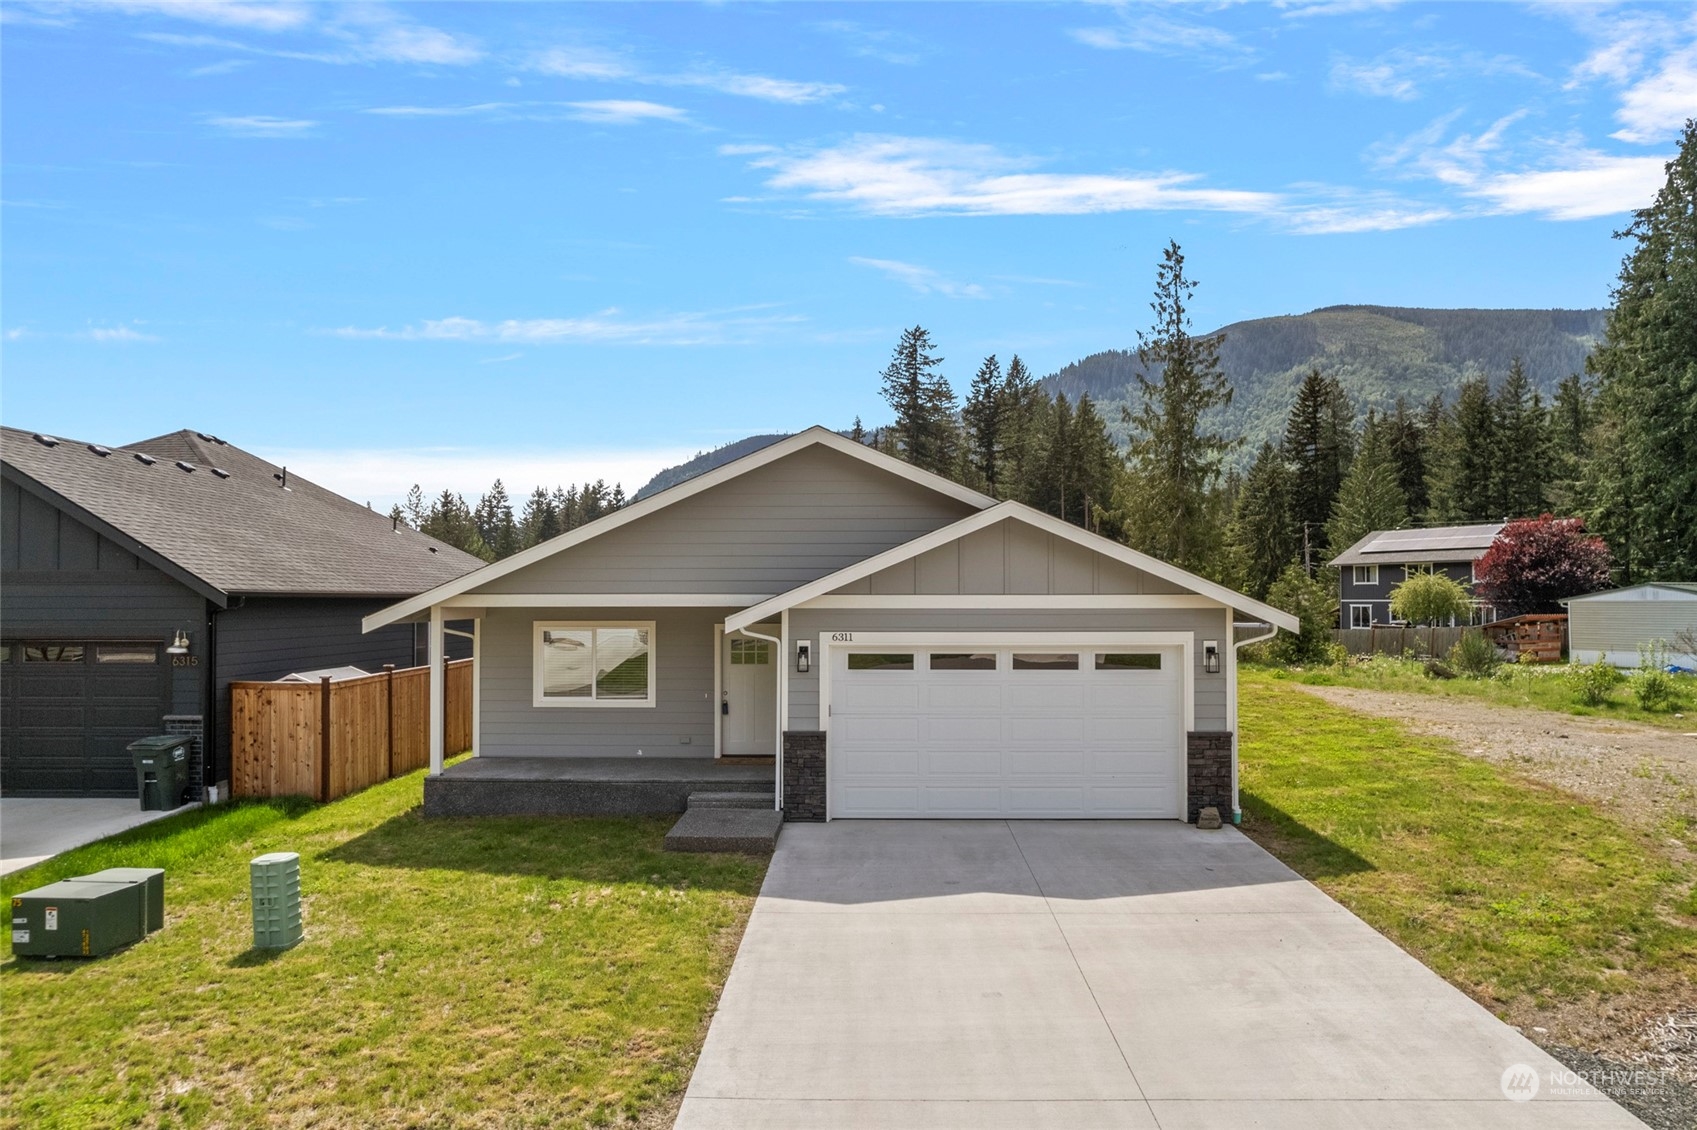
x: 1034, y: 730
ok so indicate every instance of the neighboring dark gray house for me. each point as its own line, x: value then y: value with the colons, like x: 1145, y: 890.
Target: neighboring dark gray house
x: 900, y: 645
x: 110, y: 558
x: 1373, y: 566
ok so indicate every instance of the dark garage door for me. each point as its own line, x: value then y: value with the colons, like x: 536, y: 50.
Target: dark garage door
x: 68, y: 709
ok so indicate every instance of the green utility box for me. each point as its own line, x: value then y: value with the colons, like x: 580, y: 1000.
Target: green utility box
x: 78, y: 918
x: 162, y: 770
x: 152, y: 881
x: 276, y: 880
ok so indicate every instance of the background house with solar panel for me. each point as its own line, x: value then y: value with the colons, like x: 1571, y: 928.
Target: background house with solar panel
x: 1379, y: 562
x: 140, y: 581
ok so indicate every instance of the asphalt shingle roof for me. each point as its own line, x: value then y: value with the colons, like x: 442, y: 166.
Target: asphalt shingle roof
x: 225, y: 516
x: 1440, y: 543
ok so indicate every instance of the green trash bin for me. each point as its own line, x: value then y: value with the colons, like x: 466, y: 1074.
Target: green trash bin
x: 162, y: 770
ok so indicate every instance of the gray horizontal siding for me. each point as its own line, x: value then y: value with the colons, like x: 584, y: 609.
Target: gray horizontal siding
x: 1619, y: 627
x: 808, y: 624
x: 684, y: 707
x: 1011, y: 557
x: 767, y: 531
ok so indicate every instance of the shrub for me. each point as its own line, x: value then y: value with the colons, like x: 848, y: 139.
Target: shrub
x: 1474, y: 654
x: 1651, y: 683
x: 1430, y: 598
x: 1594, y: 683
x: 1315, y: 605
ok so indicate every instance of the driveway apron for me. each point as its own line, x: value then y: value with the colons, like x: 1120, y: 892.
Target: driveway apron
x: 1082, y: 974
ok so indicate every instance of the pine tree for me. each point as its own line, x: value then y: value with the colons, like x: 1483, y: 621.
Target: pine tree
x: 414, y: 506
x: 923, y: 403
x: 1174, y: 461
x: 1408, y: 449
x: 1520, y: 446
x: 982, y: 417
x: 1461, y: 472
x: 495, y: 525
x: 1262, y: 536
x: 1572, y: 415
x: 857, y: 433
x: 1642, y: 484
x: 1318, y: 442
x: 1024, y: 407
x: 450, y: 521
x: 1370, y: 498
x: 541, y: 519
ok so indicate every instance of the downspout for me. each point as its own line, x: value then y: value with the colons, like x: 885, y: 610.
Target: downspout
x: 1273, y: 630
x: 777, y: 724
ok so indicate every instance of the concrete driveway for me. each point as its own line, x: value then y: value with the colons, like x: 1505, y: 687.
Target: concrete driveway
x: 36, y: 828
x: 991, y: 974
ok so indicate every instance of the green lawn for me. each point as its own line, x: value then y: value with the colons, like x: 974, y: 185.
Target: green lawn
x: 1544, y: 686
x: 494, y: 972
x: 1526, y: 897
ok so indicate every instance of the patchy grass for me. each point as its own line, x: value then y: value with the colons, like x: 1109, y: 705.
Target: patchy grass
x: 1545, y: 687
x: 491, y: 972
x: 1524, y: 896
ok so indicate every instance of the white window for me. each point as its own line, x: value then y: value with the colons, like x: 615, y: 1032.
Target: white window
x: 1361, y: 615
x: 1366, y: 574
x: 1414, y: 568
x: 594, y: 664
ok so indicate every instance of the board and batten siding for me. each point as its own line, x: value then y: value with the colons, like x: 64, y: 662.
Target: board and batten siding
x: 764, y: 532
x: 61, y: 580
x: 679, y: 724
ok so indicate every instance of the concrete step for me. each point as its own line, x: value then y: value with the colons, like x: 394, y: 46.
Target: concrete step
x: 731, y: 800
x: 751, y: 830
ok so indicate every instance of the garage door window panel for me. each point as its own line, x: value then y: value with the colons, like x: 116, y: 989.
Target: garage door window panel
x: 53, y: 653
x: 1045, y: 661
x: 1128, y: 661
x: 127, y: 654
x: 963, y: 661
x: 881, y: 661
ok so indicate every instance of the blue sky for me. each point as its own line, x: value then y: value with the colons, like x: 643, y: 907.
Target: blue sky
x: 436, y: 242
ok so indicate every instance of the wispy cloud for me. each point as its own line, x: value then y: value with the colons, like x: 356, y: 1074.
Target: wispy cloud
x: 922, y: 280
x: 1402, y: 72
x: 1161, y: 35
x: 1657, y: 105
x: 225, y: 67
x: 221, y: 13
x: 883, y: 44
x: 1591, y: 184
x: 601, y: 66
x: 1309, y: 9
x: 345, y: 34
x: 611, y: 111
x: 1651, y: 55
x: 261, y: 125
x: 610, y: 326
x: 117, y: 335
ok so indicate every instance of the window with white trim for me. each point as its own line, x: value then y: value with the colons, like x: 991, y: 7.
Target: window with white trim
x: 594, y: 664
x: 1361, y: 615
x: 1415, y: 568
x: 1366, y: 574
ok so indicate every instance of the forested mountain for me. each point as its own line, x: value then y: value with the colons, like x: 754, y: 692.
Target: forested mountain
x: 706, y: 461
x: 1378, y: 353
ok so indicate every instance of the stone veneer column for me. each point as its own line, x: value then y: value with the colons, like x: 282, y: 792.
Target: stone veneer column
x: 192, y: 726
x: 804, y: 775
x: 1208, y: 772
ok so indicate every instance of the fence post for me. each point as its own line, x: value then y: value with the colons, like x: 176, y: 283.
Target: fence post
x: 389, y: 692
x: 324, y: 739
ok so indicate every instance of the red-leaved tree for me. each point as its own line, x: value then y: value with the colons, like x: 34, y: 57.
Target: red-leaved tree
x: 1536, y: 562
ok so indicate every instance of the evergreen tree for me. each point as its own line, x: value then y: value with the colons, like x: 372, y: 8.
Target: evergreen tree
x: 1461, y: 475
x: 1318, y: 442
x: 1643, y: 483
x: 450, y: 520
x: 1024, y: 408
x: 923, y: 403
x: 1408, y: 449
x: 1572, y: 415
x: 1166, y: 504
x: 495, y: 525
x: 541, y: 519
x: 1370, y: 498
x: 1262, y: 538
x: 857, y: 433
x: 414, y: 507
x: 984, y: 425
x: 1520, y: 447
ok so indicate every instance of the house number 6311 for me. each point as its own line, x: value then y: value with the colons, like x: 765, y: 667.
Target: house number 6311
x: 842, y: 637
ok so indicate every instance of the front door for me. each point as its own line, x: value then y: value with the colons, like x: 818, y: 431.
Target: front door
x: 749, y: 726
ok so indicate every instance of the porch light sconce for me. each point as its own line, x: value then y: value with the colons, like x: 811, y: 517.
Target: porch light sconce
x: 179, y: 645
x: 803, y: 658
x: 1211, y: 656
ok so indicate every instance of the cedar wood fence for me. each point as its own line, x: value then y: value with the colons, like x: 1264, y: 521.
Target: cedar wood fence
x: 1389, y: 640
x: 328, y: 739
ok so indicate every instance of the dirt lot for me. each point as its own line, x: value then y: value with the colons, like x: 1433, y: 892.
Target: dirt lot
x: 1645, y: 777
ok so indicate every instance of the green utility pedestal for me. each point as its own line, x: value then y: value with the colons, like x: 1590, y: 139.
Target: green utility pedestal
x: 78, y: 918
x: 276, y: 882
x: 152, y: 881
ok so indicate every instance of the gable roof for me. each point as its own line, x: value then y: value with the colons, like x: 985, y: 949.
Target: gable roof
x: 222, y: 520
x: 1679, y: 590
x: 814, y: 436
x: 1439, y: 543
x: 1019, y: 512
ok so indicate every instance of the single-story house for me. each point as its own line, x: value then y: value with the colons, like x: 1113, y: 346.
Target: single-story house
x: 1373, y: 566
x: 1618, y: 622
x: 139, y: 581
x: 898, y: 644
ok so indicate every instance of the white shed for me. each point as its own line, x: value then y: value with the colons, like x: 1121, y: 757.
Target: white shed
x: 1617, y: 622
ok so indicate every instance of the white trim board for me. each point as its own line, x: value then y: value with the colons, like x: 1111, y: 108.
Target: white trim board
x: 687, y: 489
x: 1004, y: 511
x: 607, y: 600
x: 1004, y: 601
